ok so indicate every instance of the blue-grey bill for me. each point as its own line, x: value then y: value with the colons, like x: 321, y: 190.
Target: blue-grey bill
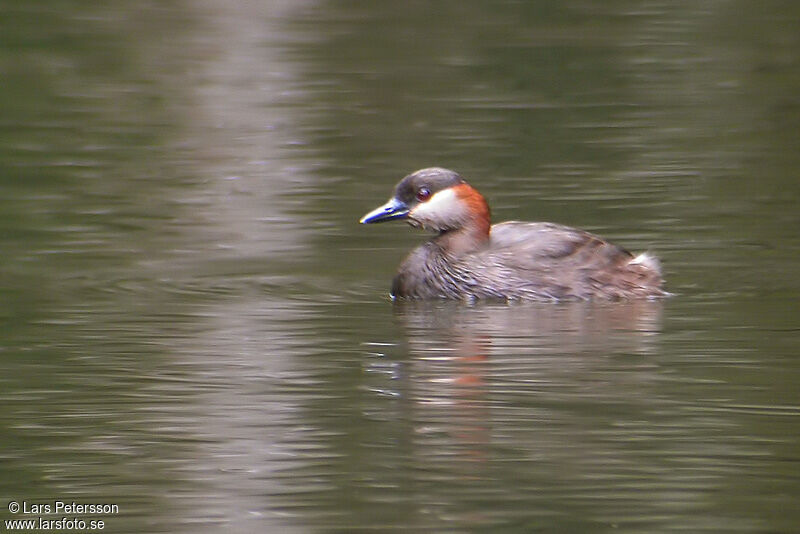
x: 394, y: 209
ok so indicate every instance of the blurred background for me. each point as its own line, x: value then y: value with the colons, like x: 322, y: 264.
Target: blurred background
x: 193, y: 325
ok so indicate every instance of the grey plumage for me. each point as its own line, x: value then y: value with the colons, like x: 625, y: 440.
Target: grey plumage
x: 539, y: 261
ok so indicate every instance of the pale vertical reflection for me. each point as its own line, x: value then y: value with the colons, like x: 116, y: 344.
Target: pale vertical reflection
x: 239, y: 124
x: 237, y: 131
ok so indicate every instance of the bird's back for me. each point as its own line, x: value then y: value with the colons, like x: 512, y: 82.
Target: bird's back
x: 550, y: 261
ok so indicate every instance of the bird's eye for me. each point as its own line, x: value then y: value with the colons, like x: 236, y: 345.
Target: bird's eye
x: 423, y: 194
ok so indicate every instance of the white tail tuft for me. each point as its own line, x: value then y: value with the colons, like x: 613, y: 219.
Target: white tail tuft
x: 647, y: 261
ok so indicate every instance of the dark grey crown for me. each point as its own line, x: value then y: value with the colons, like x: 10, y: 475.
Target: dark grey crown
x: 434, y: 178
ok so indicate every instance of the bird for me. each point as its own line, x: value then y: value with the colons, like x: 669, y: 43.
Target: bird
x: 469, y: 258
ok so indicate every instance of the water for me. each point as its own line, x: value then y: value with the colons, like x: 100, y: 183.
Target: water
x: 195, y: 328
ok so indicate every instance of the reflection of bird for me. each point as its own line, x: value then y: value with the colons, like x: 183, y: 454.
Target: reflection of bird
x: 470, y: 258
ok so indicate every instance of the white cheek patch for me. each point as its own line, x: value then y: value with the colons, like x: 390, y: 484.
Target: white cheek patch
x: 442, y: 211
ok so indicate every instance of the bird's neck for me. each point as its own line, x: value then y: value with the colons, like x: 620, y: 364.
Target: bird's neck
x: 472, y: 223
x: 471, y: 237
